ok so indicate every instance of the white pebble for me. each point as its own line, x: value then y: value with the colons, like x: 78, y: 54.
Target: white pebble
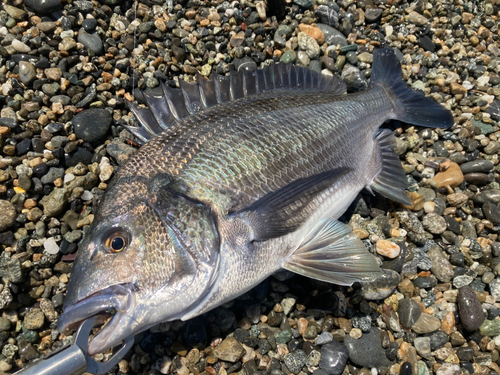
x: 68, y: 177
x: 20, y: 46
x: 388, y: 30
x: 483, y: 80
x: 87, y: 195
x: 3, y: 31
x: 429, y: 207
x: 51, y: 246
x: 467, y: 85
x: 67, y: 34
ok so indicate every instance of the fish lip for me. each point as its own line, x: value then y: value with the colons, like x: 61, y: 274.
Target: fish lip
x: 119, y: 297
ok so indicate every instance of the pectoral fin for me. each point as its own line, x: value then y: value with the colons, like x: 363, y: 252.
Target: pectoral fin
x: 332, y: 253
x: 285, y: 210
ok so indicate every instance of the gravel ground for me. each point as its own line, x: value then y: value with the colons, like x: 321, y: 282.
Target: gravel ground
x: 65, y: 72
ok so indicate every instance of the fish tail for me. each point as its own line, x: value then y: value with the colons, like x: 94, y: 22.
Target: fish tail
x: 410, y: 106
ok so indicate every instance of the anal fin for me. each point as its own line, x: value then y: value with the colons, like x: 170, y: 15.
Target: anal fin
x: 391, y: 181
x: 332, y: 253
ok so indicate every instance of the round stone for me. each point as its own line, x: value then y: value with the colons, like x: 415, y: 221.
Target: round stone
x: 470, y: 309
x: 409, y: 311
x: 92, y: 124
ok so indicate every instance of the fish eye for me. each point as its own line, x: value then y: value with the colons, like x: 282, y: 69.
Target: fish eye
x: 116, y: 240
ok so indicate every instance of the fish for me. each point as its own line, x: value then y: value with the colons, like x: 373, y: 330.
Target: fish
x: 237, y: 178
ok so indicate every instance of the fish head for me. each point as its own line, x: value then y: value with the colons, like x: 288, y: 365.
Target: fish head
x: 149, y: 256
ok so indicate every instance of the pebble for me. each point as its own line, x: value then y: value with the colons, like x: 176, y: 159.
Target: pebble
x: 490, y: 328
x: 367, y: 351
x: 470, y: 309
x: 229, y: 350
x: 334, y: 357
x: 434, y: 223
x: 10, y: 269
x: 308, y: 44
x: 426, y: 323
x: 20, y: 46
x: 441, y: 266
x: 388, y: 249
x: 382, y: 286
x: 453, y: 177
x: 409, y: 311
x: 7, y: 215
x: 51, y: 246
x: 295, y: 361
x: 92, y: 124
x: 34, y: 319
x: 27, y: 72
x: 477, y: 166
x: 423, y: 346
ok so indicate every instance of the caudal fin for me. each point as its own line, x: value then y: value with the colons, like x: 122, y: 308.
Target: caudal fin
x: 410, y: 106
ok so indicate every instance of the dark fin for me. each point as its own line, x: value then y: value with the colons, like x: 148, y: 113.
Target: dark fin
x: 285, y: 210
x: 175, y: 101
x: 175, y: 105
x: 236, y: 85
x: 192, y: 97
x: 391, y: 181
x: 332, y: 253
x: 410, y: 106
x: 159, y: 109
x: 146, y: 120
x: 207, y: 91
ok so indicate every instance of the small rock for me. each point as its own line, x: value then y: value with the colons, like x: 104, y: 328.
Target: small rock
x: 27, y: 72
x: 452, y: 177
x: 409, y: 311
x: 333, y: 358
x: 388, y: 249
x: 229, y: 350
x: 7, y: 214
x: 382, y: 286
x: 309, y: 45
x: 417, y: 19
x: 295, y: 361
x: 92, y: 124
x: 51, y: 246
x: 426, y: 323
x: 34, y: 319
x: 367, y: 351
x: 10, y: 269
x: 470, y: 309
x: 441, y: 266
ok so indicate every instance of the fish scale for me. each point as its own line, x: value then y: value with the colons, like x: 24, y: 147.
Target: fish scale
x: 214, y: 204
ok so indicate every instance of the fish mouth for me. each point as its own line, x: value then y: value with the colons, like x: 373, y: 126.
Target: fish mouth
x: 116, y: 301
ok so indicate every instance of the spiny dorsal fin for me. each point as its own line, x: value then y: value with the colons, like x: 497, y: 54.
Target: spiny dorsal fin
x: 174, y: 105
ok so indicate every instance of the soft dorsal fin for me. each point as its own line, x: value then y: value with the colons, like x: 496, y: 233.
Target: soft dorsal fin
x: 174, y: 105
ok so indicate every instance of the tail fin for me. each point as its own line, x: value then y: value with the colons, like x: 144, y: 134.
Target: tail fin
x: 410, y: 106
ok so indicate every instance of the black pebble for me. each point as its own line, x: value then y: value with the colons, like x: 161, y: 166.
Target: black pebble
x: 40, y: 170
x: 406, y: 369
x: 23, y: 147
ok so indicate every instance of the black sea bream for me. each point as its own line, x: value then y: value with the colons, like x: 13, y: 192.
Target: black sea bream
x: 248, y: 175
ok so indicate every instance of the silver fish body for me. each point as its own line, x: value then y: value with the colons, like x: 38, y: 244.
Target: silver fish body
x: 233, y: 193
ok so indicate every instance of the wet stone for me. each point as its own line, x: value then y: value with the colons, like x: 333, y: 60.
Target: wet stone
x: 367, y: 351
x: 382, y: 286
x: 491, y: 212
x: 477, y: 166
x: 470, y: 309
x: 409, y: 311
x: 333, y: 358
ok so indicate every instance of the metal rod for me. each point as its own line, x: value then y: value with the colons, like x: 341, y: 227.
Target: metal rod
x: 74, y: 359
